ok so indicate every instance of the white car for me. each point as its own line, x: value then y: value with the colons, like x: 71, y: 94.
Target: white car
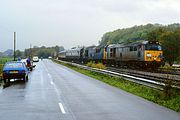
x: 35, y: 59
x: 50, y: 57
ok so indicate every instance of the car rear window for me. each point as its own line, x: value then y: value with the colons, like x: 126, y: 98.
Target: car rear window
x: 14, y: 65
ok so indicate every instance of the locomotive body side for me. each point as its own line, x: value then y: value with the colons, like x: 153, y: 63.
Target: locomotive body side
x: 89, y: 54
x: 75, y: 54
x: 140, y: 54
x: 146, y: 54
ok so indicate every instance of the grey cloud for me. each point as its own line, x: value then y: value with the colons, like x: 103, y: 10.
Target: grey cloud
x: 72, y: 22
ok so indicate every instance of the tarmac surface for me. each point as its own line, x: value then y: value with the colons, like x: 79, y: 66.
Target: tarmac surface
x: 55, y: 92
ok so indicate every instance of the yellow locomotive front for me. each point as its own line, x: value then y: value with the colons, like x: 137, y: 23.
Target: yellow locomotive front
x: 153, y: 54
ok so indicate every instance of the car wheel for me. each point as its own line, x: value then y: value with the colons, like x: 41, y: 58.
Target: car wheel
x: 8, y: 81
x: 26, y: 78
x: 4, y: 80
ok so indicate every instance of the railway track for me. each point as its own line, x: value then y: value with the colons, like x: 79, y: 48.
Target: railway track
x: 158, y: 76
x: 160, y: 70
x: 153, y: 81
x: 175, y: 71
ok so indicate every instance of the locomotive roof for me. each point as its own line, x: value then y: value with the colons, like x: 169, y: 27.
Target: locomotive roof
x: 99, y: 47
x: 128, y: 44
x: 92, y: 46
x: 63, y: 51
x: 115, y: 45
x: 78, y: 47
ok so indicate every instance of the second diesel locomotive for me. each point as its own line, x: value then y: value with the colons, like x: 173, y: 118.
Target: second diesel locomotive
x: 146, y: 54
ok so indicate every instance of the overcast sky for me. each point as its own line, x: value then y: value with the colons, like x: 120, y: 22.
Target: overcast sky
x: 70, y: 23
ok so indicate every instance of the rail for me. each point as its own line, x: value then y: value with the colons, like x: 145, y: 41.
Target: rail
x: 148, y: 82
x: 160, y: 76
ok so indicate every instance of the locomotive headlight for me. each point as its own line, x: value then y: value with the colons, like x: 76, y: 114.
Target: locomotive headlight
x: 149, y: 55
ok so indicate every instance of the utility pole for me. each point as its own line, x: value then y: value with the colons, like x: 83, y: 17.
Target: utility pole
x: 30, y: 53
x: 14, y: 46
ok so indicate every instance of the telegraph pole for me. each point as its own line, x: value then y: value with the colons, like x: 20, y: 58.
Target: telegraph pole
x: 14, y: 46
x: 30, y: 54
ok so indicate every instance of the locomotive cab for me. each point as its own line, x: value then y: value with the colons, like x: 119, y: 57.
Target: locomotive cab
x: 153, y: 54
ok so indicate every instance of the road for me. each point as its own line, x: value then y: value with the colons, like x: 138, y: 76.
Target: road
x: 55, y: 92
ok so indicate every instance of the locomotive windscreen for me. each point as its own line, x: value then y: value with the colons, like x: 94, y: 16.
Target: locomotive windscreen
x: 153, y: 47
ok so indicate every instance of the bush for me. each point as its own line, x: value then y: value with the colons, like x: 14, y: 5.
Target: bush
x: 94, y: 65
x: 100, y: 66
x: 90, y: 64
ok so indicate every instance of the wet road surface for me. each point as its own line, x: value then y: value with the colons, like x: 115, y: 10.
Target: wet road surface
x: 55, y: 92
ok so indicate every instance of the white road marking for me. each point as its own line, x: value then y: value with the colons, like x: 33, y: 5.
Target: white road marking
x: 49, y: 75
x: 52, y: 83
x: 62, y: 109
x: 56, y: 90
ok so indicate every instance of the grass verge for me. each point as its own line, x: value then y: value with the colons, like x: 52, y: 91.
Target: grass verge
x: 148, y: 93
x: 5, y: 59
x: 2, y: 62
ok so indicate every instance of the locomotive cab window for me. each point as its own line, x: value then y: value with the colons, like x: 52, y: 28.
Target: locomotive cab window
x: 153, y: 47
x: 131, y: 48
x: 135, y: 48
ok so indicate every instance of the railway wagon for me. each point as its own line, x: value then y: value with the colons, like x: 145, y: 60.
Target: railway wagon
x: 139, y: 54
x: 75, y: 54
x: 89, y: 53
x: 99, y: 54
x: 62, y: 55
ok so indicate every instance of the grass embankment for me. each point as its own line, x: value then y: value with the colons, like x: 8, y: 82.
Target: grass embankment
x: 140, y: 90
x: 2, y: 62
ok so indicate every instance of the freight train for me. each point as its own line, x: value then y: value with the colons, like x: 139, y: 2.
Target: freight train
x: 145, y: 54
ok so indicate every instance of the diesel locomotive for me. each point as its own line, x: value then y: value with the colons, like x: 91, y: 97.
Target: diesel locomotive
x: 145, y: 54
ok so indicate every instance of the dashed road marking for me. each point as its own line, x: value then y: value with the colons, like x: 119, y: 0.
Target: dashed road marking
x: 62, y: 109
x: 52, y: 83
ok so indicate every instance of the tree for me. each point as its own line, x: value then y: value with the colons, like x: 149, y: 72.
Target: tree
x: 18, y: 53
x: 56, y: 48
x: 156, y: 34
x: 44, y: 53
x: 171, y: 45
x: 61, y: 48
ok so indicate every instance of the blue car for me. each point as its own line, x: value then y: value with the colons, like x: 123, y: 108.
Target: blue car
x: 14, y: 70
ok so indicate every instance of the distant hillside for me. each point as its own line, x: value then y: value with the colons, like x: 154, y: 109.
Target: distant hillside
x: 136, y: 33
x: 1, y: 54
x: 8, y: 53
